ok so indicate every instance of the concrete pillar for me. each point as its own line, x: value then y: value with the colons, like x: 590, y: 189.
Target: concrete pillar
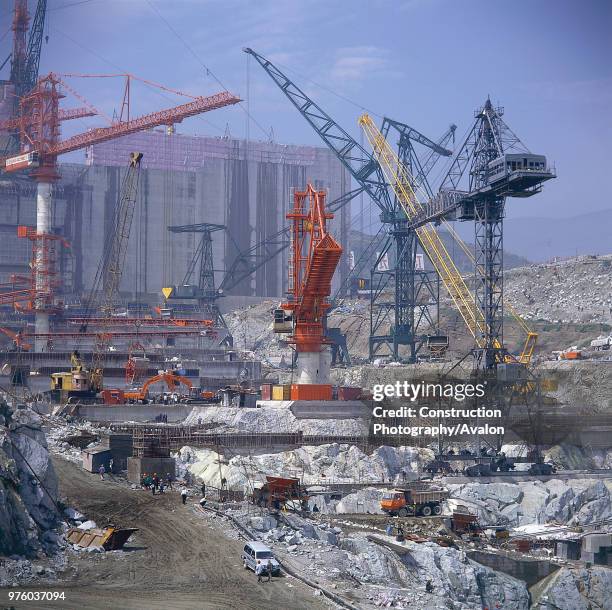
x: 313, y: 367
x: 43, y: 225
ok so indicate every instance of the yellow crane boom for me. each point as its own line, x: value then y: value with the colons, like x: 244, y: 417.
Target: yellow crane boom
x: 401, y: 181
x: 531, y: 336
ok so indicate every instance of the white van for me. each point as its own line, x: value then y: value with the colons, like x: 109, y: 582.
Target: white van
x: 256, y: 551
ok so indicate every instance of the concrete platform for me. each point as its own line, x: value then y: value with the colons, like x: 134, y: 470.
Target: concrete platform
x: 141, y: 413
x: 321, y: 409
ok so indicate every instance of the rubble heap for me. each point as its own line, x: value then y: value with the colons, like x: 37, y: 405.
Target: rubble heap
x: 385, y: 577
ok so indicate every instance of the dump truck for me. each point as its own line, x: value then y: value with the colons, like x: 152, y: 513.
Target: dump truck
x: 276, y: 492
x: 413, y: 501
x: 109, y: 538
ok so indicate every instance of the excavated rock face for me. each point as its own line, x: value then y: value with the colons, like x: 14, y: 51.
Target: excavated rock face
x: 577, y: 589
x: 28, y: 486
x: 313, y: 465
x: 456, y: 581
x: 465, y: 582
x: 577, y: 502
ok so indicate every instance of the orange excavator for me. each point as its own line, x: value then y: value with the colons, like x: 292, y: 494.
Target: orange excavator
x: 315, y: 254
x: 170, y: 378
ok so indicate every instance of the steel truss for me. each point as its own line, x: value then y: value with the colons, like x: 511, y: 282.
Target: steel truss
x: 367, y: 172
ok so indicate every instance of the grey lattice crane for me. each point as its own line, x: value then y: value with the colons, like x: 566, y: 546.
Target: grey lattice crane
x: 491, y: 164
x: 204, y: 291
x: 25, y: 56
x: 365, y: 169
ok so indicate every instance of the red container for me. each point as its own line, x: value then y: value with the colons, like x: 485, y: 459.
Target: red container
x: 113, y: 397
x: 349, y: 393
x: 266, y: 391
x: 311, y: 392
x: 524, y: 546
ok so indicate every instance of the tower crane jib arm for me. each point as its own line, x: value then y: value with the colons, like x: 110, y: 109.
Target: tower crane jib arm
x: 353, y: 156
x: 148, y: 121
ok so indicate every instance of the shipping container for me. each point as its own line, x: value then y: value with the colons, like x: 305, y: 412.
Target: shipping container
x: 311, y: 392
x: 266, y: 391
x: 349, y: 393
x: 281, y: 392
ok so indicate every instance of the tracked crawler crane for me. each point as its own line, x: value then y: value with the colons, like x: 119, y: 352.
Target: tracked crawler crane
x: 315, y: 254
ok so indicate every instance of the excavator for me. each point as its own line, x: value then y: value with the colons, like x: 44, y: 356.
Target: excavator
x: 172, y: 380
x: 79, y: 382
x: 84, y: 381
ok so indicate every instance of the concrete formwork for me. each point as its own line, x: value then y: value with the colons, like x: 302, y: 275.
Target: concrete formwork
x: 138, y: 466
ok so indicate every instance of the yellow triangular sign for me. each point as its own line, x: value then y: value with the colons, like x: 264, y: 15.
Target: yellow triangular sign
x: 167, y: 292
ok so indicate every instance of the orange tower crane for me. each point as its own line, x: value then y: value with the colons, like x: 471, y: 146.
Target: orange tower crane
x: 315, y: 254
x: 39, y: 128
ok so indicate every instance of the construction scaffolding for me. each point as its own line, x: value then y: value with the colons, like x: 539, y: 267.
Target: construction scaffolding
x: 158, y: 440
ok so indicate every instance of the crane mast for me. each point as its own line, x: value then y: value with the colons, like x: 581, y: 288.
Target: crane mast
x: 315, y: 254
x: 117, y: 249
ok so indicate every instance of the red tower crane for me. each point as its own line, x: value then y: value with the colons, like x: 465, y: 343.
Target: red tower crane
x: 315, y: 254
x: 39, y: 128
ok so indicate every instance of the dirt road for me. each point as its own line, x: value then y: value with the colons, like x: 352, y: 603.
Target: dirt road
x: 176, y: 560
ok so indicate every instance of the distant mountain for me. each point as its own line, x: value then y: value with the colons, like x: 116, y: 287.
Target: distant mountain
x: 359, y: 242
x: 541, y: 239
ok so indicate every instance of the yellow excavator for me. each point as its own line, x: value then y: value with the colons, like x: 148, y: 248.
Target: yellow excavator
x: 79, y: 381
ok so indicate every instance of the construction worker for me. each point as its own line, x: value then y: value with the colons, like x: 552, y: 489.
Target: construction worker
x: 203, y: 489
x: 269, y: 570
x: 184, y: 495
x: 101, y: 471
x: 169, y: 481
x: 155, y: 483
x: 259, y: 568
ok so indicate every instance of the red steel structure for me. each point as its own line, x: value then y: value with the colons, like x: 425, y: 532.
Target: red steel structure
x: 39, y: 129
x: 314, y: 257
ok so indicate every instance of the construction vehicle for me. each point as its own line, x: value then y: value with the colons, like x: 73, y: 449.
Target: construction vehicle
x: 571, y: 354
x: 602, y: 343
x: 170, y: 378
x: 465, y: 522
x: 109, y: 538
x: 277, y: 492
x: 79, y: 382
x: 414, y: 501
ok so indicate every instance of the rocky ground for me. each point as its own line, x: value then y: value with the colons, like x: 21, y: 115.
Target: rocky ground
x: 313, y: 465
x: 369, y: 574
x: 29, y: 512
x: 352, y: 558
x: 568, y: 303
x: 577, y: 290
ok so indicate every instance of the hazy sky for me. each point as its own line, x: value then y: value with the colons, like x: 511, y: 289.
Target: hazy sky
x: 425, y: 62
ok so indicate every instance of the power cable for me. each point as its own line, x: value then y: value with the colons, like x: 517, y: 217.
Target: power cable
x: 116, y: 67
x: 209, y: 72
x: 329, y: 90
x: 69, y: 5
